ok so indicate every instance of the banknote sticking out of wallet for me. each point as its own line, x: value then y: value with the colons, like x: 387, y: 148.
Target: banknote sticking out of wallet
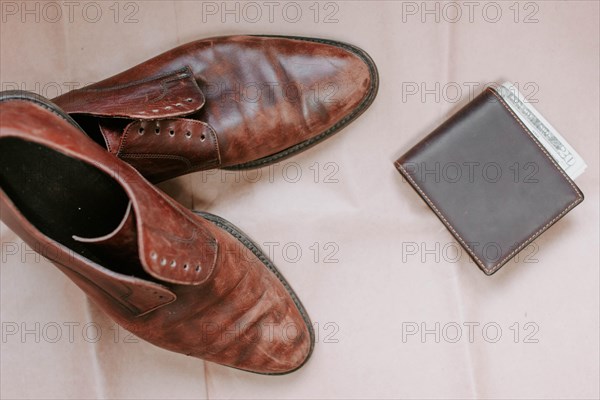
x: 497, y: 174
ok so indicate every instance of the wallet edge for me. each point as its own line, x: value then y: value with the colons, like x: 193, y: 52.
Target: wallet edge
x: 579, y: 197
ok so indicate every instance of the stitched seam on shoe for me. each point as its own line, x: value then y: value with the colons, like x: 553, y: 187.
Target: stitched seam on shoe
x: 186, y: 70
x: 152, y: 155
x: 216, y: 142
x: 106, y: 141
x: 176, y: 206
x: 129, y: 127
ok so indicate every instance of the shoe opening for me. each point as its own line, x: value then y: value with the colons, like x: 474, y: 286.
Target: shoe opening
x: 65, y: 199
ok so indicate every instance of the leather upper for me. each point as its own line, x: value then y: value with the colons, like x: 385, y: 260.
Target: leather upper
x: 206, y: 294
x: 171, y: 94
x: 251, y: 96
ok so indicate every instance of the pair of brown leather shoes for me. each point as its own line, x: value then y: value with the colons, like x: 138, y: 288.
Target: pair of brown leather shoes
x: 188, y: 282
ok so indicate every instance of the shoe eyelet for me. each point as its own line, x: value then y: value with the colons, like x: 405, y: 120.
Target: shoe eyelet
x: 157, y: 131
x: 141, y: 131
x: 188, y: 134
x: 153, y: 255
x: 171, y: 132
x: 163, y: 262
x: 185, y: 266
x: 202, y: 137
x: 189, y: 100
x: 198, y: 268
x: 173, y: 264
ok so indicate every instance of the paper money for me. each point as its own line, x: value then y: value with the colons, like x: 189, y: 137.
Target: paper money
x: 554, y: 143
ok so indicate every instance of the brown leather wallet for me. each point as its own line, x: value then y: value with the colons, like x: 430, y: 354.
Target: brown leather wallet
x: 489, y: 181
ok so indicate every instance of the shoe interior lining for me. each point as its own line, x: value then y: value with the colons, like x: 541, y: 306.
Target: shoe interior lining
x: 91, y: 128
x: 62, y: 197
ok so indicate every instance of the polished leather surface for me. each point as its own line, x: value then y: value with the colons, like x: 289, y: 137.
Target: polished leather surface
x: 205, y: 294
x: 489, y: 181
x: 257, y: 99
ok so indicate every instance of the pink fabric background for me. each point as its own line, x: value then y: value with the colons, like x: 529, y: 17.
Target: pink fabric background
x: 357, y: 208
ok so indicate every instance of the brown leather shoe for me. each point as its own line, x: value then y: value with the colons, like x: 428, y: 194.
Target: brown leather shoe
x: 193, y: 284
x: 228, y: 102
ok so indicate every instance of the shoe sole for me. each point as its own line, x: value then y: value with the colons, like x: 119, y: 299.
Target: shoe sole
x: 366, y: 102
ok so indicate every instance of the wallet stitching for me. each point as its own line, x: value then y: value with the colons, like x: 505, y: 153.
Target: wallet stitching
x: 439, y: 214
x: 558, y: 168
x: 500, y: 263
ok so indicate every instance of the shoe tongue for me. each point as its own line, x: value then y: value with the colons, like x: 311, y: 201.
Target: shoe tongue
x: 120, y: 247
x: 112, y: 132
x: 162, y: 241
